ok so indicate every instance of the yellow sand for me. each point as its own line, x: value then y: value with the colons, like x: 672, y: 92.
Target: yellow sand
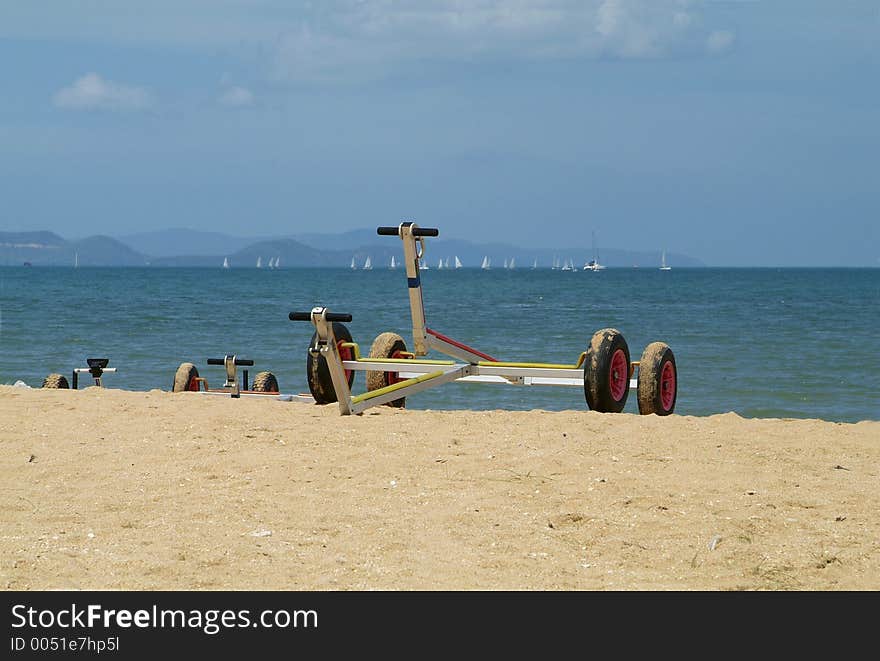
x: 125, y: 490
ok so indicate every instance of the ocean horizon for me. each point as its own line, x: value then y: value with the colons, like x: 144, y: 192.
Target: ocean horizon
x: 782, y: 342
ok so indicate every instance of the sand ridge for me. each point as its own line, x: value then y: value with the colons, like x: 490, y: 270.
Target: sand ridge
x: 112, y: 489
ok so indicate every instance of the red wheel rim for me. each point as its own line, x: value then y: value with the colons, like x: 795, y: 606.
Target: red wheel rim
x: 344, y: 354
x: 618, y: 375
x: 394, y: 377
x: 667, y: 386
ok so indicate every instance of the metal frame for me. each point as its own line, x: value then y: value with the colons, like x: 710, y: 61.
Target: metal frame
x: 231, y: 386
x: 97, y: 368
x: 419, y: 374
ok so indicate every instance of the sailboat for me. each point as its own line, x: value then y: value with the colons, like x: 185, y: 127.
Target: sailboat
x: 393, y: 263
x: 423, y: 266
x: 593, y: 264
x: 353, y: 265
x: 457, y: 262
x: 535, y: 264
x: 663, y: 266
x: 277, y: 262
x: 555, y: 266
x: 76, y: 259
x: 226, y: 262
x: 485, y: 264
x: 368, y: 264
x: 259, y: 262
x: 512, y: 262
x: 568, y: 266
x: 440, y: 263
x: 505, y: 263
x: 446, y: 263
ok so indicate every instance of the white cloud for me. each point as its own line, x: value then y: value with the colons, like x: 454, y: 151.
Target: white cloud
x: 237, y: 97
x: 719, y: 41
x: 363, y: 38
x: 91, y: 92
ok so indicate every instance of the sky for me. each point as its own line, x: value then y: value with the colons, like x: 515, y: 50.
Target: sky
x: 742, y: 133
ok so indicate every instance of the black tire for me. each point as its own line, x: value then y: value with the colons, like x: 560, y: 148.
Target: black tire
x: 606, y: 372
x: 265, y: 382
x: 58, y: 381
x: 184, y: 378
x: 658, y: 380
x: 320, y: 383
x: 386, y: 345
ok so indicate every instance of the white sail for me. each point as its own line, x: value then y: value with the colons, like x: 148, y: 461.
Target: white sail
x: 485, y: 264
x: 512, y: 262
x: 663, y: 265
x: 535, y: 264
x: 277, y: 262
x: 593, y: 264
x: 440, y: 264
x: 457, y: 262
x: 353, y: 265
x: 259, y: 262
x: 368, y: 264
x: 226, y: 262
x: 393, y: 263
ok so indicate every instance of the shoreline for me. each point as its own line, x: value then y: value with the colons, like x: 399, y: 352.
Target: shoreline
x: 114, y: 489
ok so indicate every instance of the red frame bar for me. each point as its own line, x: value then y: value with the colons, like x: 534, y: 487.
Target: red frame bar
x: 440, y: 336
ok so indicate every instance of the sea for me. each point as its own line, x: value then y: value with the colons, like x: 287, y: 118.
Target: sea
x: 760, y: 342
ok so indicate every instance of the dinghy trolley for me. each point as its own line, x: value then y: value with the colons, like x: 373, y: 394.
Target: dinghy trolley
x: 604, y: 370
x: 97, y: 367
x: 187, y: 379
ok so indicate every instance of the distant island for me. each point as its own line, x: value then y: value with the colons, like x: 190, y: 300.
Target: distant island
x: 192, y: 248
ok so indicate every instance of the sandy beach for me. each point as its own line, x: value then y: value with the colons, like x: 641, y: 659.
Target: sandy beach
x: 111, y: 489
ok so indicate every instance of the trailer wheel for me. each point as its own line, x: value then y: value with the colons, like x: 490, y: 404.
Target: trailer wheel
x: 386, y: 345
x: 658, y: 380
x: 318, y: 373
x: 185, y: 378
x: 265, y: 382
x: 56, y: 381
x: 606, y: 372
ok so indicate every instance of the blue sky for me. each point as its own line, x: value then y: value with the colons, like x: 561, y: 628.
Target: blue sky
x: 741, y: 133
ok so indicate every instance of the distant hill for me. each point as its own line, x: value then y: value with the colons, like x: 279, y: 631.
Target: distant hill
x: 317, y: 249
x: 107, y: 251
x: 177, y: 242
x: 178, y: 247
x: 48, y: 249
x: 364, y: 243
x: 287, y: 251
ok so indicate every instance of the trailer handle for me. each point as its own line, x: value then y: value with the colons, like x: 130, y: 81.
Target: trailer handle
x: 331, y: 316
x: 238, y: 361
x: 418, y: 231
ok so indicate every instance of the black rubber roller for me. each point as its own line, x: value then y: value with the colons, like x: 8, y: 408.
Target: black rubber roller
x: 238, y: 361
x: 331, y: 316
x: 418, y: 231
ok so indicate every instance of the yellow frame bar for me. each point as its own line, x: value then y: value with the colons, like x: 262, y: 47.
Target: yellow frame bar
x: 395, y: 386
x: 410, y: 361
x: 554, y: 366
